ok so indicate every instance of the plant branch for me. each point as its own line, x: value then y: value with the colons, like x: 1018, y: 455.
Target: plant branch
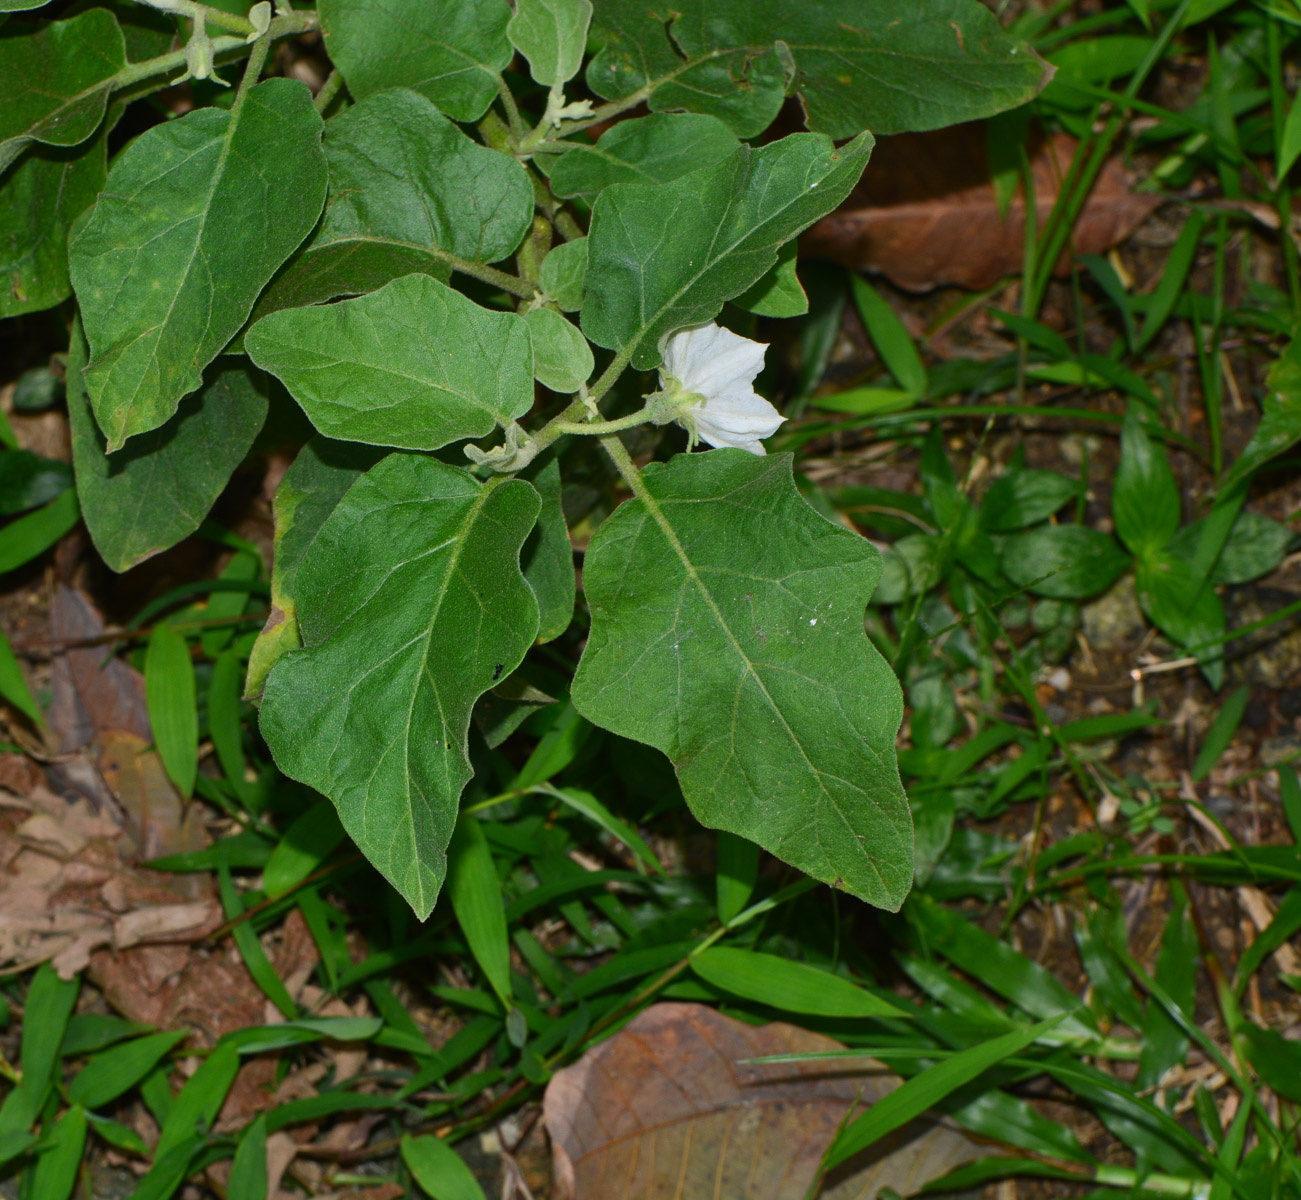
x: 231, y: 22
x: 227, y: 49
x: 329, y: 89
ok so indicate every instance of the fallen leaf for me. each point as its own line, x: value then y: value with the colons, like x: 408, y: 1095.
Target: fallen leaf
x: 90, y: 691
x: 670, y: 1106
x: 925, y: 213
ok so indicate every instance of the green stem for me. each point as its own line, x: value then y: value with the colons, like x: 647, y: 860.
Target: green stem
x: 519, y: 131
x: 226, y: 49
x: 201, y: 12
x: 622, y: 460
x: 329, y: 89
x: 502, y: 279
x: 252, y: 70
x: 599, y: 428
x: 1061, y: 221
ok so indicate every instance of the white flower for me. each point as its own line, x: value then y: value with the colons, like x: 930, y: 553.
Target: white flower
x: 708, y: 380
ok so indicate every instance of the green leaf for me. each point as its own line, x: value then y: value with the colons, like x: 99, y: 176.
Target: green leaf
x: 1145, y: 497
x: 56, y: 1169
x: 564, y: 274
x: 448, y: 50
x: 587, y: 805
x: 854, y: 65
x: 114, y: 1071
x: 1254, y: 546
x: 27, y: 480
x: 88, y: 1032
x: 778, y: 293
x: 408, y: 192
x: 170, y: 695
x: 1066, y: 562
x: 22, y: 540
x: 320, y: 475
x: 925, y: 1090
x: 727, y: 631
x: 47, y: 1007
x: 414, y: 365
x: 1164, y: 1042
x: 1280, y: 420
x: 307, y: 843
x: 439, y: 1170
x: 153, y: 493
x: 1290, y: 146
x: 197, y: 215
x: 248, y: 1173
x: 13, y: 684
x: 39, y: 200
x: 55, y: 83
x: 200, y: 1100
x: 548, y: 555
x: 552, y: 35
x: 662, y: 257
x: 1024, y: 496
x: 475, y: 893
x: 735, y: 875
x: 1190, y: 617
x: 790, y: 986
x: 890, y: 338
x: 1220, y: 734
x: 654, y: 149
x: 562, y: 359
x: 1276, y: 1059
x: 411, y: 603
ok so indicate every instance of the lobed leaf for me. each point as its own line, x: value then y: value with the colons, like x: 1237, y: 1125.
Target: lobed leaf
x: 197, y: 215
x: 408, y: 192
x: 55, y: 83
x: 411, y: 604
x: 151, y: 494
x: 662, y: 257
x: 414, y: 365
x: 320, y: 475
x: 451, y: 51
x: 855, y: 65
x: 654, y: 149
x: 727, y: 631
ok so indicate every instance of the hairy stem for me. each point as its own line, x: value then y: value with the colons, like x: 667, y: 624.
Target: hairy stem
x: 329, y: 90
x: 133, y: 76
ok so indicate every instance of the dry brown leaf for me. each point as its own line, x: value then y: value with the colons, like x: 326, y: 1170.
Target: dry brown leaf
x: 669, y: 1107
x: 90, y: 691
x: 925, y: 214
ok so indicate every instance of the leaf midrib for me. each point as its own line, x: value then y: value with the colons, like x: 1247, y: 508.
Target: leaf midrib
x: 661, y: 519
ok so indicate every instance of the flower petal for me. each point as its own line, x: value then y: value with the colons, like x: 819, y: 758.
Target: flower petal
x: 710, y: 360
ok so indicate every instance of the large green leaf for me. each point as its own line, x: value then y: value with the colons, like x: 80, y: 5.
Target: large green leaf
x: 727, y: 631
x: 39, y: 200
x: 663, y: 257
x: 154, y: 492
x: 197, y: 215
x: 452, y: 51
x: 408, y: 192
x: 411, y: 603
x: 55, y: 83
x: 308, y: 493
x: 856, y: 64
x: 414, y: 365
x: 654, y: 149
